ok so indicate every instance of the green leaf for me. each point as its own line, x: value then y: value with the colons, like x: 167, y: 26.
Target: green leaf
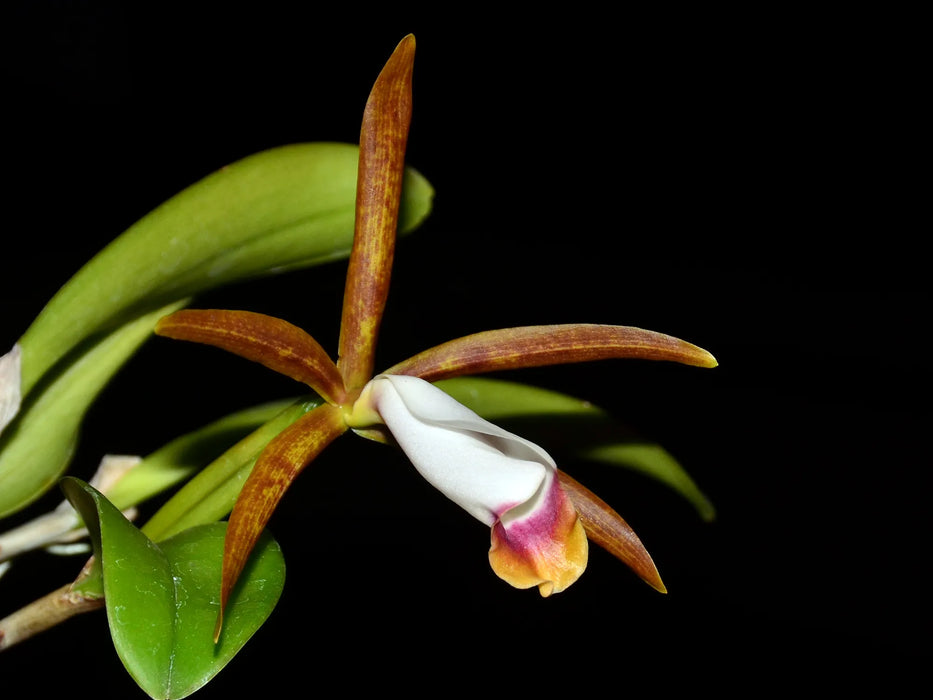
x: 162, y: 599
x: 281, y: 209
x: 36, y: 447
x: 575, y: 427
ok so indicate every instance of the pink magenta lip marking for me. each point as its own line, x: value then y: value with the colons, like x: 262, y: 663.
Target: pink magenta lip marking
x: 522, y: 535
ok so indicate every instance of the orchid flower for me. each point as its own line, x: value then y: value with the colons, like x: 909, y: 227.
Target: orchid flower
x: 540, y: 518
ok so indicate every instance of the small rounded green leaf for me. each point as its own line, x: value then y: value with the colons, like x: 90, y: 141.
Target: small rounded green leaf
x: 196, y: 556
x: 162, y: 599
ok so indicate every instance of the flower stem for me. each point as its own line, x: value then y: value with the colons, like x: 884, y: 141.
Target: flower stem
x: 44, y: 613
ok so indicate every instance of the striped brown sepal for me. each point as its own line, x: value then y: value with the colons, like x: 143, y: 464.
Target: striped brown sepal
x: 536, y: 346
x: 383, y: 138
x: 270, y: 341
x: 607, y: 529
x: 276, y: 468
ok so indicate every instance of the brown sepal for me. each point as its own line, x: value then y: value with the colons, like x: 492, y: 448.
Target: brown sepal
x: 536, y: 346
x: 272, y: 342
x: 276, y: 468
x: 607, y: 529
x: 383, y: 139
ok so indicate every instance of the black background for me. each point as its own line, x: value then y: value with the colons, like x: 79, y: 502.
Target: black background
x: 741, y: 180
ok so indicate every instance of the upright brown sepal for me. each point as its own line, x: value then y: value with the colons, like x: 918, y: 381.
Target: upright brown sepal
x: 383, y: 139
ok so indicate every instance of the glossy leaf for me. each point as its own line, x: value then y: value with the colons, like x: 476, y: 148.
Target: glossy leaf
x: 162, y: 599
x: 567, y: 425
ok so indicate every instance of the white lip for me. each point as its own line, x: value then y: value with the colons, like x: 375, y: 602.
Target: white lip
x: 484, y: 469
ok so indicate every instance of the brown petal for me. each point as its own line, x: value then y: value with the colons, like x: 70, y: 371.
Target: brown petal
x: 275, y: 343
x: 383, y: 138
x: 277, y: 467
x: 536, y: 346
x: 606, y: 528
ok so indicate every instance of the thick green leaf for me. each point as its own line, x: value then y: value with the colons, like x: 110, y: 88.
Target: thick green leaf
x: 280, y: 209
x: 36, y: 447
x: 162, y: 599
x: 576, y: 427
